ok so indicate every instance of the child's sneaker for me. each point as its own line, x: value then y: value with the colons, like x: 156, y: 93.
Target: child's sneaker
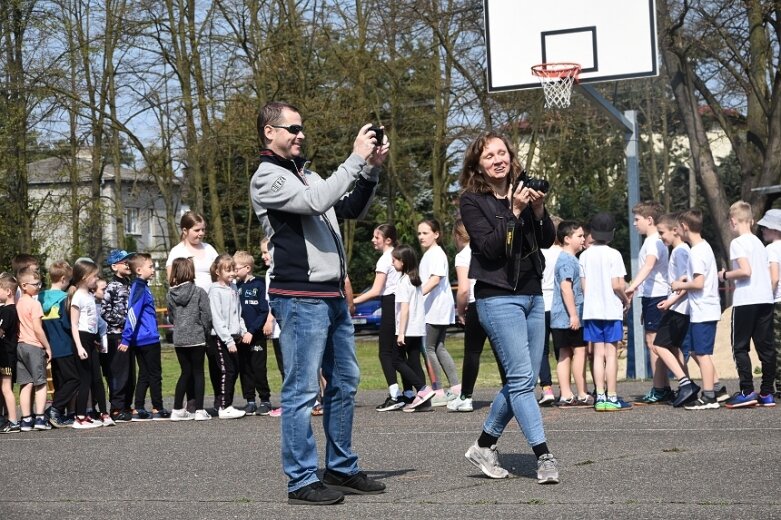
x: 461, y: 405
x: 181, y: 415
x: 547, y: 472
x: 442, y: 398
x: 588, y: 400
x: 202, y: 415
x: 547, y: 398
x: 11, y: 427
x: 766, y: 400
x: 264, y: 408
x: 390, y: 405
x: 722, y: 394
x: 161, y: 415
x: 141, y: 415
x: 655, y: 396
x: 703, y: 403
x: 686, y: 394
x: 230, y: 413
x: 742, y: 400
x: 84, y: 423
x: 107, y: 420
x: 276, y: 412
x: 487, y: 459
x: 600, y: 403
x: 41, y: 423
x: 250, y: 408
x: 122, y: 416
x: 26, y: 424
x: 421, y: 398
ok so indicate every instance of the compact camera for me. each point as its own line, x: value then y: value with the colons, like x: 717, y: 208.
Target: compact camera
x: 379, y: 134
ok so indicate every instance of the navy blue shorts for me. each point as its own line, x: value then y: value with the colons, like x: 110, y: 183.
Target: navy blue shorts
x: 603, y: 331
x: 651, y: 315
x: 703, y: 337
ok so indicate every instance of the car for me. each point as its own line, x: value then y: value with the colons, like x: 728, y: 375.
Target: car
x: 367, y: 315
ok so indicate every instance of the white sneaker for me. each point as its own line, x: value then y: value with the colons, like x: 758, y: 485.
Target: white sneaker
x: 106, y: 420
x: 202, y: 415
x: 460, y: 405
x: 231, y: 413
x: 182, y: 415
x: 85, y: 424
x: 487, y: 459
x: 442, y: 399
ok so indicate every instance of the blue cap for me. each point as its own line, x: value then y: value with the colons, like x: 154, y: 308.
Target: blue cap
x: 116, y: 256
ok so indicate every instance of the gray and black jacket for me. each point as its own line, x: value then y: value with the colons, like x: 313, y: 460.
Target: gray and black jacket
x: 227, y: 323
x: 114, y: 308
x: 298, y: 210
x: 189, y: 313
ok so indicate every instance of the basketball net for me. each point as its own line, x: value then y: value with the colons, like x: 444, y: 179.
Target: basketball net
x: 557, y: 80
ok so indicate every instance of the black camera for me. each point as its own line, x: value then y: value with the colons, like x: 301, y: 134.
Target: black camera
x: 379, y: 134
x: 537, y: 184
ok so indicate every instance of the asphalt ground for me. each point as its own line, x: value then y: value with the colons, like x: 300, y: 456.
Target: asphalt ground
x: 648, y: 462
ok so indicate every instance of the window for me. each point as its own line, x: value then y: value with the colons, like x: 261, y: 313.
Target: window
x: 132, y: 221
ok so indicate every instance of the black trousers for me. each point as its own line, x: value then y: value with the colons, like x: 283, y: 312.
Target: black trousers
x: 278, y: 355
x: 65, y: 372
x: 545, y: 373
x: 123, y: 374
x: 106, y: 361
x: 407, y: 361
x: 253, y: 372
x: 223, y: 370
x: 474, y: 340
x: 191, y: 380
x: 754, y: 322
x: 150, y: 376
x: 90, y: 378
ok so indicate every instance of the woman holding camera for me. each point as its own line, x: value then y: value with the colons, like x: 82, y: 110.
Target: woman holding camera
x: 508, y: 225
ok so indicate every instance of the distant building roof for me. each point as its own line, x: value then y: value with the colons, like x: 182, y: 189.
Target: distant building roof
x: 55, y: 170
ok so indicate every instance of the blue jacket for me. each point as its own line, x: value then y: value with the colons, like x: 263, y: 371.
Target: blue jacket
x: 56, y: 322
x: 254, y: 307
x: 141, y: 323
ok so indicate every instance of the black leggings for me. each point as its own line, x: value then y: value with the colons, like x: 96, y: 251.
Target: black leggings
x: 390, y: 355
x: 65, y: 372
x: 474, y: 339
x: 191, y: 380
x: 90, y: 377
x: 407, y: 361
x: 223, y: 370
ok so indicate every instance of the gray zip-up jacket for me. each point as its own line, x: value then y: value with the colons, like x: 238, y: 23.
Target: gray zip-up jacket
x: 226, y: 312
x: 298, y: 210
x: 189, y: 313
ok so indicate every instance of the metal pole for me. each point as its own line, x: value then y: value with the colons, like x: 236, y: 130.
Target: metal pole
x: 632, y: 153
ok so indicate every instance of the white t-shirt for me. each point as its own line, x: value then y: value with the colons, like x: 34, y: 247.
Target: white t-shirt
x: 277, y: 330
x: 202, y: 262
x: 600, y: 264
x: 704, y: 304
x: 551, y: 254
x: 677, y: 267
x: 385, y: 265
x: 756, y: 288
x: 655, y: 284
x: 438, y: 303
x: 463, y: 259
x: 416, y: 321
x: 774, y: 256
x: 88, y: 310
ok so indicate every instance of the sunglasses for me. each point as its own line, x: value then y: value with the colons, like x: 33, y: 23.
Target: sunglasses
x: 293, y: 129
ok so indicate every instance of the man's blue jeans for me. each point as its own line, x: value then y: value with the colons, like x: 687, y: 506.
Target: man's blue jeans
x: 316, y: 333
x: 516, y: 327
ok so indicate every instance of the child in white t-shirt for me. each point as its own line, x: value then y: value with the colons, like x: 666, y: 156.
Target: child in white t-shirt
x: 439, y: 307
x: 752, y: 309
x: 604, y: 306
x: 410, y: 326
x: 771, y: 233
x: 651, y: 284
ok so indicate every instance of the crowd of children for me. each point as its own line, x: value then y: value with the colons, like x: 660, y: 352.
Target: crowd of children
x: 89, y: 329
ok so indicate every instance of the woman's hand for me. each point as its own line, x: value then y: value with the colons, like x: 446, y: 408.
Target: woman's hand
x: 523, y: 197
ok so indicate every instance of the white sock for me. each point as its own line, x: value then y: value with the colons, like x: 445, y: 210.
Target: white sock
x: 393, y: 390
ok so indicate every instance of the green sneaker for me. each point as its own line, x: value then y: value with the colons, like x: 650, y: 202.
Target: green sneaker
x: 611, y: 405
x: 600, y: 404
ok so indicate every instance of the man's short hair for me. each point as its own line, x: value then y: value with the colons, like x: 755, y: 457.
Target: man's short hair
x: 244, y: 257
x: 693, y: 220
x: 59, y: 270
x: 741, y: 211
x: 271, y: 114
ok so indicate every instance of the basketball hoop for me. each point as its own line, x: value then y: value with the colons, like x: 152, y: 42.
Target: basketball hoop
x: 557, y: 80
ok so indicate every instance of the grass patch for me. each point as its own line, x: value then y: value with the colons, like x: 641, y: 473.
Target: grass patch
x: 367, y: 353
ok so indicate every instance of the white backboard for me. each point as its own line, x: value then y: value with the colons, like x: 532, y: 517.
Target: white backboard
x: 610, y: 39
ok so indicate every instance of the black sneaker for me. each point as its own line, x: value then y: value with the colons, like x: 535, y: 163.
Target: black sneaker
x: 55, y: 418
x: 722, y: 394
x: 10, y: 427
x: 315, y: 495
x: 122, y: 416
x: 686, y: 394
x: 359, y: 484
x: 250, y: 408
x: 264, y: 408
x: 390, y: 404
